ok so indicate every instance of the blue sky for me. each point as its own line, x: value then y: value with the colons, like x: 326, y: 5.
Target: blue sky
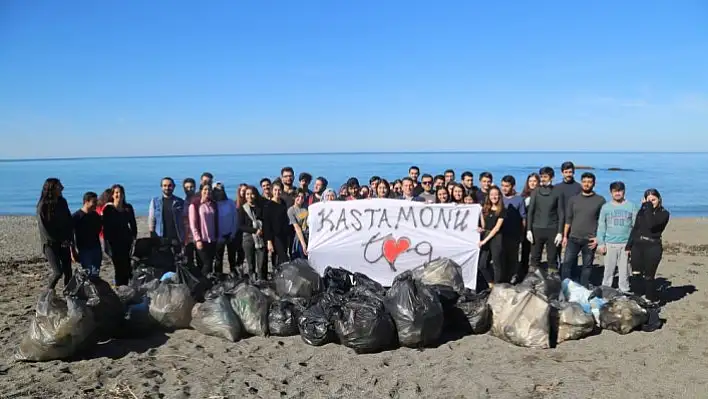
x: 88, y: 78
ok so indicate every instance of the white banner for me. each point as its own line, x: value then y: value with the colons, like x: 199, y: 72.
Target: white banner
x: 383, y: 237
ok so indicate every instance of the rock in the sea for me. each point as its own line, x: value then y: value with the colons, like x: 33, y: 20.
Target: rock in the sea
x: 620, y: 170
x: 583, y: 167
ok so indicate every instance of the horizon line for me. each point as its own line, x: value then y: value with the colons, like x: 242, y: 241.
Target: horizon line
x: 75, y: 158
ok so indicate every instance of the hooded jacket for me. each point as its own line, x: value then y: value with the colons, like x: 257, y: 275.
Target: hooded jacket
x: 546, y: 209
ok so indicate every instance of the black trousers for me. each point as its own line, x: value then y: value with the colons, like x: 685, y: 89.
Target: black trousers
x: 207, y: 254
x: 544, y: 238
x: 280, y: 253
x: 525, y: 258
x: 491, y: 261
x: 228, y: 246
x: 120, y: 256
x: 256, y: 258
x: 646, y: 257
x: 238, y: 247
x: 59, y: 259
x: 510, y: 249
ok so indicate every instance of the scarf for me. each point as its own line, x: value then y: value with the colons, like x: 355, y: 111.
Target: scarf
x: 257, y: 224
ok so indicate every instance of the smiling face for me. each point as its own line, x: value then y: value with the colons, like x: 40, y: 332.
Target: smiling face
x: 506, y: 188
x: 287, y: 178
x: 168, y: 187
x: 485, y: 183
x: 398, y: 188
x: 494, y: 196
x: 117, y: 195
x: 364, y: 192
x: 382, y: 191
x: 533, y: 182
x: 300, y: 199
x: 188, y: 188
x: 568, y: 175
x: 457, y: 193
x: 427, y: 184
x: 206, y: 193
x: 330, y: 196
x: 276, y: 191
x: 443, y: 196
x: 250, y: 196
x: 413, y: 173
x: 467, y: 181
x: 407, y: 188
x: 587, y: 184
x: 318, y: 187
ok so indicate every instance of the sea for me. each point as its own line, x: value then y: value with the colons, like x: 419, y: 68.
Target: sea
x: 682, y: 178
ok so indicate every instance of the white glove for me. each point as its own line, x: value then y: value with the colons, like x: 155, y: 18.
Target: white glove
x: 529, y: 236
x: 558, y: 240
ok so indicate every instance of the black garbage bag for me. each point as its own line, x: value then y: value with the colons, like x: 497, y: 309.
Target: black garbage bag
x: 363, y: 324
x: 251, y: 306
x: 59, y: 329
x: 128, y: 295
x: 316, y: 324
x: 137, y: 321
x: 440, y: 271
x: 544, y: 284
x: 216, y: 317
x: 267, y: 288
x: 573, y: 322
x: 283, y: 317
x: 362, y: 281
x: 297, y: 279
x: 226, y: 285
x: 106, y: 306
x: 170, y: 305
x: 193, y: 278
x: 145, y: 278
x: 337, y: 280
x: 622, y: 315
x: 476, y: 315
x: 416, y: 311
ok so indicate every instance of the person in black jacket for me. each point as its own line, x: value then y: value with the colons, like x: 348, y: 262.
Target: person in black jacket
x: 55, y: 230
x: 250, y: 217
x: 120, y: 230
x: 544, y: 220
x: 644, y: 242
x: 276, y: 226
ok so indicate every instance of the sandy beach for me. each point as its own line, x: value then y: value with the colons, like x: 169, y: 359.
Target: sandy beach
x: 669, y: 363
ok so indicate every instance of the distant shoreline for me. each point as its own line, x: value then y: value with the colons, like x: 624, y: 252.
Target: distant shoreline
x: 571, y: 152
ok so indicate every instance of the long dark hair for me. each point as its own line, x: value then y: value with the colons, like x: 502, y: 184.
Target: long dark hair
x: 526, y: 192
x: 240, y: 199
x: 257, y: 200
x: 49, y: 198
x: 386, y: 184
x: 105, y: 197
x: 657, y: 194
x: 122, y: 194
x: 487, y: 207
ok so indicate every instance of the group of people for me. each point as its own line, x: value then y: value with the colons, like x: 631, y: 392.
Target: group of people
x: 515, y: 227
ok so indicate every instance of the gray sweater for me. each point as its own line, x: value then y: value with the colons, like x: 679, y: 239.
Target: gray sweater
x: 582, y: 215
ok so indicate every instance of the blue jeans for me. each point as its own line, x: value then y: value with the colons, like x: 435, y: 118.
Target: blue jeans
x: 90, y: 260
x: 570, y: 261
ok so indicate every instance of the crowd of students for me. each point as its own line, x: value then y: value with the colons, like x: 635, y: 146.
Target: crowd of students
x: 515, y: 227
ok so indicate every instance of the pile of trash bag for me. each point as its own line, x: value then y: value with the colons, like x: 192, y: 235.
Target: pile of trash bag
x: 420, y: 308
x: 59, y: 329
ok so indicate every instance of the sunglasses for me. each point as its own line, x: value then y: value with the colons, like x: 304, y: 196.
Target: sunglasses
x: 427, y: 182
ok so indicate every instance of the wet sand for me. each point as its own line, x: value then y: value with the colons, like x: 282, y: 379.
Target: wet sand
x: 669, y: 363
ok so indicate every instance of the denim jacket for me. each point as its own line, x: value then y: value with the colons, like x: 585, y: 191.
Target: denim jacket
x: 155, y: 216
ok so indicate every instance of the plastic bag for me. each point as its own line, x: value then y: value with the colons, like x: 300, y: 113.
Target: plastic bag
x: 145, y: 278
x: 363, y: 324
x: 171, y: 305
x: 441, y: 271
x: 251, y: 306
x: 137, y: 321
x: 476, y: 311
x: 520, y: 317
x: 224, y: 286
x: 546, y: 285
x: 192, y: 277
x: 576, y: 293
x: 283, y: 318
x: 574, y: 322
x: 216, y: 317
x: 338, y: 280
x: 127, y: 295
x: 622, y: 315
x: 268, y: 289
x: 416, y: 311
x: 297, y: 279
x: 316, y: 322
x: 106, y: 306
x: 363, y: 282
x: 58, y: 330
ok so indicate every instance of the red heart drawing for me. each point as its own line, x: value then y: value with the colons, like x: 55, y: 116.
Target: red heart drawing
x: 392, y: 248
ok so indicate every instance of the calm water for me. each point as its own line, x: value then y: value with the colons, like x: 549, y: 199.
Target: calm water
x: 681, y: 178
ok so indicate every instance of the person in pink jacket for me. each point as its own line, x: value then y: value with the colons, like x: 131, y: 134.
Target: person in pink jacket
x: 203, y: 220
